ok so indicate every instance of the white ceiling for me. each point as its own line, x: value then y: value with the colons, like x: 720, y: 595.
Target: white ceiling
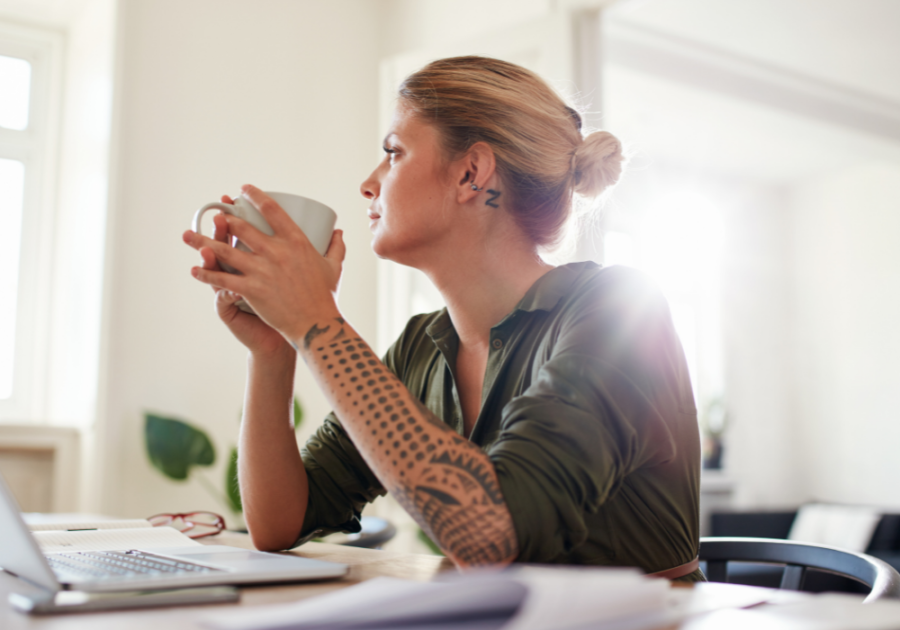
x: 55, y: 13
x: 850, y: 47
x: 833, y: 67
x: 855, y: 43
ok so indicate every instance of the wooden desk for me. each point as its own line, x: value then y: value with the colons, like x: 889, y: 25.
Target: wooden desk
x: 366, y: 564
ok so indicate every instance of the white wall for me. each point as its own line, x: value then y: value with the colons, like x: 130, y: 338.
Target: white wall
x: 756, y: 317
x: 215, y: 94
x: 428, y: 24
x: 848, y: 307
x: 80, y: 221
x: 758, y: 328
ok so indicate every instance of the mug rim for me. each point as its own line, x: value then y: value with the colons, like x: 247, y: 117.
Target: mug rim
x: 309, y: 199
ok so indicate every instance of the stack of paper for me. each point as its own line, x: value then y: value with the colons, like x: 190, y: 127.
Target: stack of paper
x: 515, y: 599
x: 107, y: 535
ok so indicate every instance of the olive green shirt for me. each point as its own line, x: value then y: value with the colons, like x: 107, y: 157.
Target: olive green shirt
x: 587, y: 415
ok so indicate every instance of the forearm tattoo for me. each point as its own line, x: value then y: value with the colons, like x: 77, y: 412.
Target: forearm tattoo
x: 314, y: 332
x: 446, y: 483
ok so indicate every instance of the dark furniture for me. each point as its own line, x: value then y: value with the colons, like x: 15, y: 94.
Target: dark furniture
x: 375, y: 532
x: 885, y: 545
x: 800, y: 559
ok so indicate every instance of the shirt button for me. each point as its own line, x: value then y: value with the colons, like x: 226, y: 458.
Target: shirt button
x: 497, y: 344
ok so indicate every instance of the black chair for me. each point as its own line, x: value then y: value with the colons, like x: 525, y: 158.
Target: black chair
x: 375, y: 532
x: 881, y: 578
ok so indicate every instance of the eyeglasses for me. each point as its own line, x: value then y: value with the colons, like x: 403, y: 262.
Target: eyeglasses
x: 192, y: 524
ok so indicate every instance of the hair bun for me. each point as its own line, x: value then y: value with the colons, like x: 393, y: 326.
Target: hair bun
x: 598, y: 163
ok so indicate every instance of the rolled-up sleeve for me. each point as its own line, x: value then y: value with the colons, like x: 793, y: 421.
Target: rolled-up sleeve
x: 340, y: 481
x: 591, y: 416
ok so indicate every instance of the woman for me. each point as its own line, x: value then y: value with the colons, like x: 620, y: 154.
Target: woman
x: 545, y: 415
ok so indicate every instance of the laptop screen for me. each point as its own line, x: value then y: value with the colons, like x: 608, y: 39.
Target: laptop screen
x: 19, y: 551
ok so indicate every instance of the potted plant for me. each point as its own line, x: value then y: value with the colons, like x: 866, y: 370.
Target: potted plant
x: 176, y: 447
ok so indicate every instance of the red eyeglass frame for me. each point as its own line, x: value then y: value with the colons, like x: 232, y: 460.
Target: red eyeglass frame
x: 218, y: 524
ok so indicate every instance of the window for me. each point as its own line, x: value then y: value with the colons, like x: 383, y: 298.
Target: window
x: 12, y: 184
x: 29, y: 69
x: 678, y: 242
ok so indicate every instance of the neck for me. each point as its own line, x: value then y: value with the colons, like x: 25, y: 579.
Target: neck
x: 483, y: 284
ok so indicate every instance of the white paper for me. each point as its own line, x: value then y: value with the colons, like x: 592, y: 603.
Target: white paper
x: 573, y: 598
x: 88, y: 525
x: 546, y: 598
x: 112, y: 539
x: 830, y: 611
x: 369, y: 595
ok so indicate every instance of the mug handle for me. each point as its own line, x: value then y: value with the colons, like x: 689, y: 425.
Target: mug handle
x: 216, y: 205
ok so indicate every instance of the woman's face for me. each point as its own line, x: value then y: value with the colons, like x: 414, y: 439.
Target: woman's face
x: 411, y: 192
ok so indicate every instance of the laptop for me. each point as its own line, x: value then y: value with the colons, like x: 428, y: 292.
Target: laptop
x: 144, y: 569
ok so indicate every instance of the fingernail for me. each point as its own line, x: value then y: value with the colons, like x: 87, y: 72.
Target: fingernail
x: 195, y: 271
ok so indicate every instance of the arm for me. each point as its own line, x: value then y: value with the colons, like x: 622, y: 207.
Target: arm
x: 447, y: 484
x: 271, y: 473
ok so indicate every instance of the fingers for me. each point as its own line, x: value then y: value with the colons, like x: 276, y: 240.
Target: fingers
x: 248, y: 235
x: 337, y: 249
x: 273, y: 213
x: 209, y: 259
x: 221, y: 279
x: 222, y: 252
x: 220, y: 228
x: 225, y: 302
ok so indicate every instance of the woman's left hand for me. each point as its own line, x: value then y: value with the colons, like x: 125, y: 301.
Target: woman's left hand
x: 286, y: 281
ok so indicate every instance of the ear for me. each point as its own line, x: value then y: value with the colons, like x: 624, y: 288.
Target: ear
x: 477, y: 167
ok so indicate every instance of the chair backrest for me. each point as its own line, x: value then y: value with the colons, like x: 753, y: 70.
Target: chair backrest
x: 880, y: 577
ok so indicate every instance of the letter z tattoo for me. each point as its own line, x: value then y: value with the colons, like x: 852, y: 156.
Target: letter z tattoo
x: 493, y: 195
x: 446, y: 483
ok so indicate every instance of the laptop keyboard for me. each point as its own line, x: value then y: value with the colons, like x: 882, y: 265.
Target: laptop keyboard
x: 101, y: 565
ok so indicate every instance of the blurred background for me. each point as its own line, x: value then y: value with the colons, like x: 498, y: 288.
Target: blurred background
x: 764, y: 144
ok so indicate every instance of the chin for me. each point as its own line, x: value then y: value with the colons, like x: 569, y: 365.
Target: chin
x: 386, y: 249
x: 378, y: 246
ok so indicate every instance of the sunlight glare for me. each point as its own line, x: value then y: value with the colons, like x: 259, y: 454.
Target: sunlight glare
x: 15, y: 92
x: 12, y: 182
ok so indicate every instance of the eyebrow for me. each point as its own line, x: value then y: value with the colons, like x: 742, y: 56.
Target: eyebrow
x: 388, y: 136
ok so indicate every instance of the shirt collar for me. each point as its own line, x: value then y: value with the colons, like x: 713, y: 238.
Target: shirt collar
x: 543, y: 295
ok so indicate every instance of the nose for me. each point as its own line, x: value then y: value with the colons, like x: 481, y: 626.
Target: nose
x: 371, y: 187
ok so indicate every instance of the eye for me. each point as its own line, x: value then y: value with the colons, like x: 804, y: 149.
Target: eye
x: 390, y: 152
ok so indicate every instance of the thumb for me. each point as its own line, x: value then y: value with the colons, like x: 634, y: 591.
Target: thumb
x: 336, y: 248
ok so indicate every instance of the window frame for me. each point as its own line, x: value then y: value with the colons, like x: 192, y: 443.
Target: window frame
x: 37, y: 147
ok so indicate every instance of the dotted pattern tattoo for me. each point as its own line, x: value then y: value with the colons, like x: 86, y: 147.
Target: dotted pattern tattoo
x: 446, y: 483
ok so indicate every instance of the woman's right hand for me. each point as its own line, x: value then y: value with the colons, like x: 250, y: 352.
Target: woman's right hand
x: 250, y: 330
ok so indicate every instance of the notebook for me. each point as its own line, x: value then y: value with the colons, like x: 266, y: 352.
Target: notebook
x: 138, y: 558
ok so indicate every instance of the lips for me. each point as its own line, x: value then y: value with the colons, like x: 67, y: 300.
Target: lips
x: 372, y: 214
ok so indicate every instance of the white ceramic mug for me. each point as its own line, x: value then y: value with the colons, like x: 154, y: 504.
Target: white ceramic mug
x: 315, y: 219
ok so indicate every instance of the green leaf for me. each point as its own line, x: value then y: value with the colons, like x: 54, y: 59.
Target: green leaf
x: 298, y: 414
x: 174, y: 446
x: 232, y: 489
x: 423, y: 537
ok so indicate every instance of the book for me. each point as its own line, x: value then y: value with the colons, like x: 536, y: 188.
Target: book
x: 105, y: 535
x: 520, y: 598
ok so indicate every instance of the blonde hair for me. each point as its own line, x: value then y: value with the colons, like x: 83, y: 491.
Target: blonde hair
x: 536, y: 138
